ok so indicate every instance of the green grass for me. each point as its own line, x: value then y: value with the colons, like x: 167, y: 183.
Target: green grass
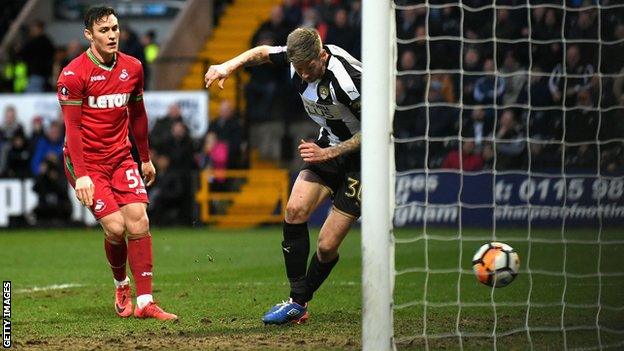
x: 221, y: 282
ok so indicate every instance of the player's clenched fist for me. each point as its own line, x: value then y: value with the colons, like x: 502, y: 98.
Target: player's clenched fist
x: 84, y: 190
x: 216, y: 72
x: 149, y: 172
x: 312, y: 153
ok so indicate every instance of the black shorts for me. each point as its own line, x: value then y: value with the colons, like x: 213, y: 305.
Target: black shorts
x: 342, y: 176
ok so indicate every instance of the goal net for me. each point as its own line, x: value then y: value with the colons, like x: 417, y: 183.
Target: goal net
x: 508, y: 126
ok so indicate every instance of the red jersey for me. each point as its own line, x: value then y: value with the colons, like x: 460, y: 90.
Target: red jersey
x: 99, y: 104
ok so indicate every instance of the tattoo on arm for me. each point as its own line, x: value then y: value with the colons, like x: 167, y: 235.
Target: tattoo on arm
x: 347, y: 146
x: 252, y: 57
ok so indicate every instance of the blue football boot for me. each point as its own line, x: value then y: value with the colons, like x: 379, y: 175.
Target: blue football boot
x: 286, y: 311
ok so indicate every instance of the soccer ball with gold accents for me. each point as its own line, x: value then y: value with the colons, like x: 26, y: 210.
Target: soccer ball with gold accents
x: 496, y: 264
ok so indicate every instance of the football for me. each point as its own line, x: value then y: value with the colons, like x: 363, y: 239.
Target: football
x: 496, y: 264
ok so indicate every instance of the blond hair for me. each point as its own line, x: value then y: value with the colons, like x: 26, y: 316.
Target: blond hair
x: 303, y: 44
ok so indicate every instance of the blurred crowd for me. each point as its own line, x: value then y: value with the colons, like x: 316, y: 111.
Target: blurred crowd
x: 268, y: 93
x: 176, y: 155
x: 462, y: 97
x: 479, y: 91
x: 33, y: 63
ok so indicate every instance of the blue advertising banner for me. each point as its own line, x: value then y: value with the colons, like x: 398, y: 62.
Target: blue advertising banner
x: 508, y: 199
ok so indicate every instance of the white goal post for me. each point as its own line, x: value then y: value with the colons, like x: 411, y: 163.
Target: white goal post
x: 534, y: 89
x: 377, y: 167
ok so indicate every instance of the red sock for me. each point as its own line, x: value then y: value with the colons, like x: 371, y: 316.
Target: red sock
x: 140, y: 259
x: 117, y: 254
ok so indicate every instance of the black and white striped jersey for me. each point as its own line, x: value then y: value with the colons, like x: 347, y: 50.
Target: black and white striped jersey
x: 333, y: 101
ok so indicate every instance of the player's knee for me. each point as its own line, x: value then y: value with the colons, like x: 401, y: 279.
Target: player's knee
x: 326, y: 250
x: 115, y: 232
x: 296, y: 213
x: 138, y: 227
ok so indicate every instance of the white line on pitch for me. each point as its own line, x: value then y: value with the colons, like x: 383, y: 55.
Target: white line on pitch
x: 49, y: 287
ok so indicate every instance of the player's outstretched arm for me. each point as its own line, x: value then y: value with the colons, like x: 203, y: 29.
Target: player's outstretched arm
x: 312, y: 153
x: 251, y: 57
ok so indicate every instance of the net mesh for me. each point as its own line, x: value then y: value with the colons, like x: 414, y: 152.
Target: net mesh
x: 509, y: 126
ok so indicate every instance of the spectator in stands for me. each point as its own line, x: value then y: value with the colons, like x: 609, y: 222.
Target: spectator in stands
x: 261, y: 91
x: 489, y: 89
x: 130, y: 43
x: 408, y: 123
x: 487, y: 153
x: 414, y: 84
x: 444, y: 124
x: 311, y: 19
x: 150, y: 47
x: 275, y: 29
x: 408, y: 20
x: 546, y: 123
x: 472, y: 64
x: 612, y: 160
x: 74, y: 49
x: 510, y: 142
x: 419, y: 48
x: 292, y: 11
x: 49, y: 146
x: 583, y: 25
x: 471, y: 160
x: 15, y: 156
x: 570, y: 86
x: 214, y: 153
x: 14, y: 71
x: 10, y: 126
x: 228, y: 130
x: 545, y: 157
x: 340, y: 32
x: 179, y: 147
x: 582, y: 121
x: 214, y: 156
x: 36, y: 132
x: 544, y: 23
x: 514, y: 82
x: 506, y: 26
x: 582, y: 157
x: 179, y: 151
x: 326, y: 9
x: 53, y: 206
x: 479, y: 124
x: 38, y: 52
x: 59, y: 56
x: 355, y: 15
x: 165, y: 195
x: 161, y: 132
x: 613, y: 50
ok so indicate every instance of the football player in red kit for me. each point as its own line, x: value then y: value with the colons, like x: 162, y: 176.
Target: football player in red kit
x: 101, y: 94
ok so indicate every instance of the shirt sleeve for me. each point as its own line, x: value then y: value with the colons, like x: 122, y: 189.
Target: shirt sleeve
x: 70, y: 95
x: 347, y: 81
x: 138, y: 119
x: 278, y: 56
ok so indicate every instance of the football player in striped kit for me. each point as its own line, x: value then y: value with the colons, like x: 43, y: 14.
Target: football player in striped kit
x: 328, y: 81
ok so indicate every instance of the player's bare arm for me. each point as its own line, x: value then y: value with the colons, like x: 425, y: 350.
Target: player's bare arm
x: 312, y: 153
x: 251, y: 57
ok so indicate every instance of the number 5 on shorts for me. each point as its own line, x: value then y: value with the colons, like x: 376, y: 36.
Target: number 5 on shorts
x: 134, y: 178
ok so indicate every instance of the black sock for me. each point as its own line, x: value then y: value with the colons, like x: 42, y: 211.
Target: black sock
x: 296, y: 249
x: 317, y: 273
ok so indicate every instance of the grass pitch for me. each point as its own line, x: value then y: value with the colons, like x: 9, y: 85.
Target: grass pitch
x: 221, y: 282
